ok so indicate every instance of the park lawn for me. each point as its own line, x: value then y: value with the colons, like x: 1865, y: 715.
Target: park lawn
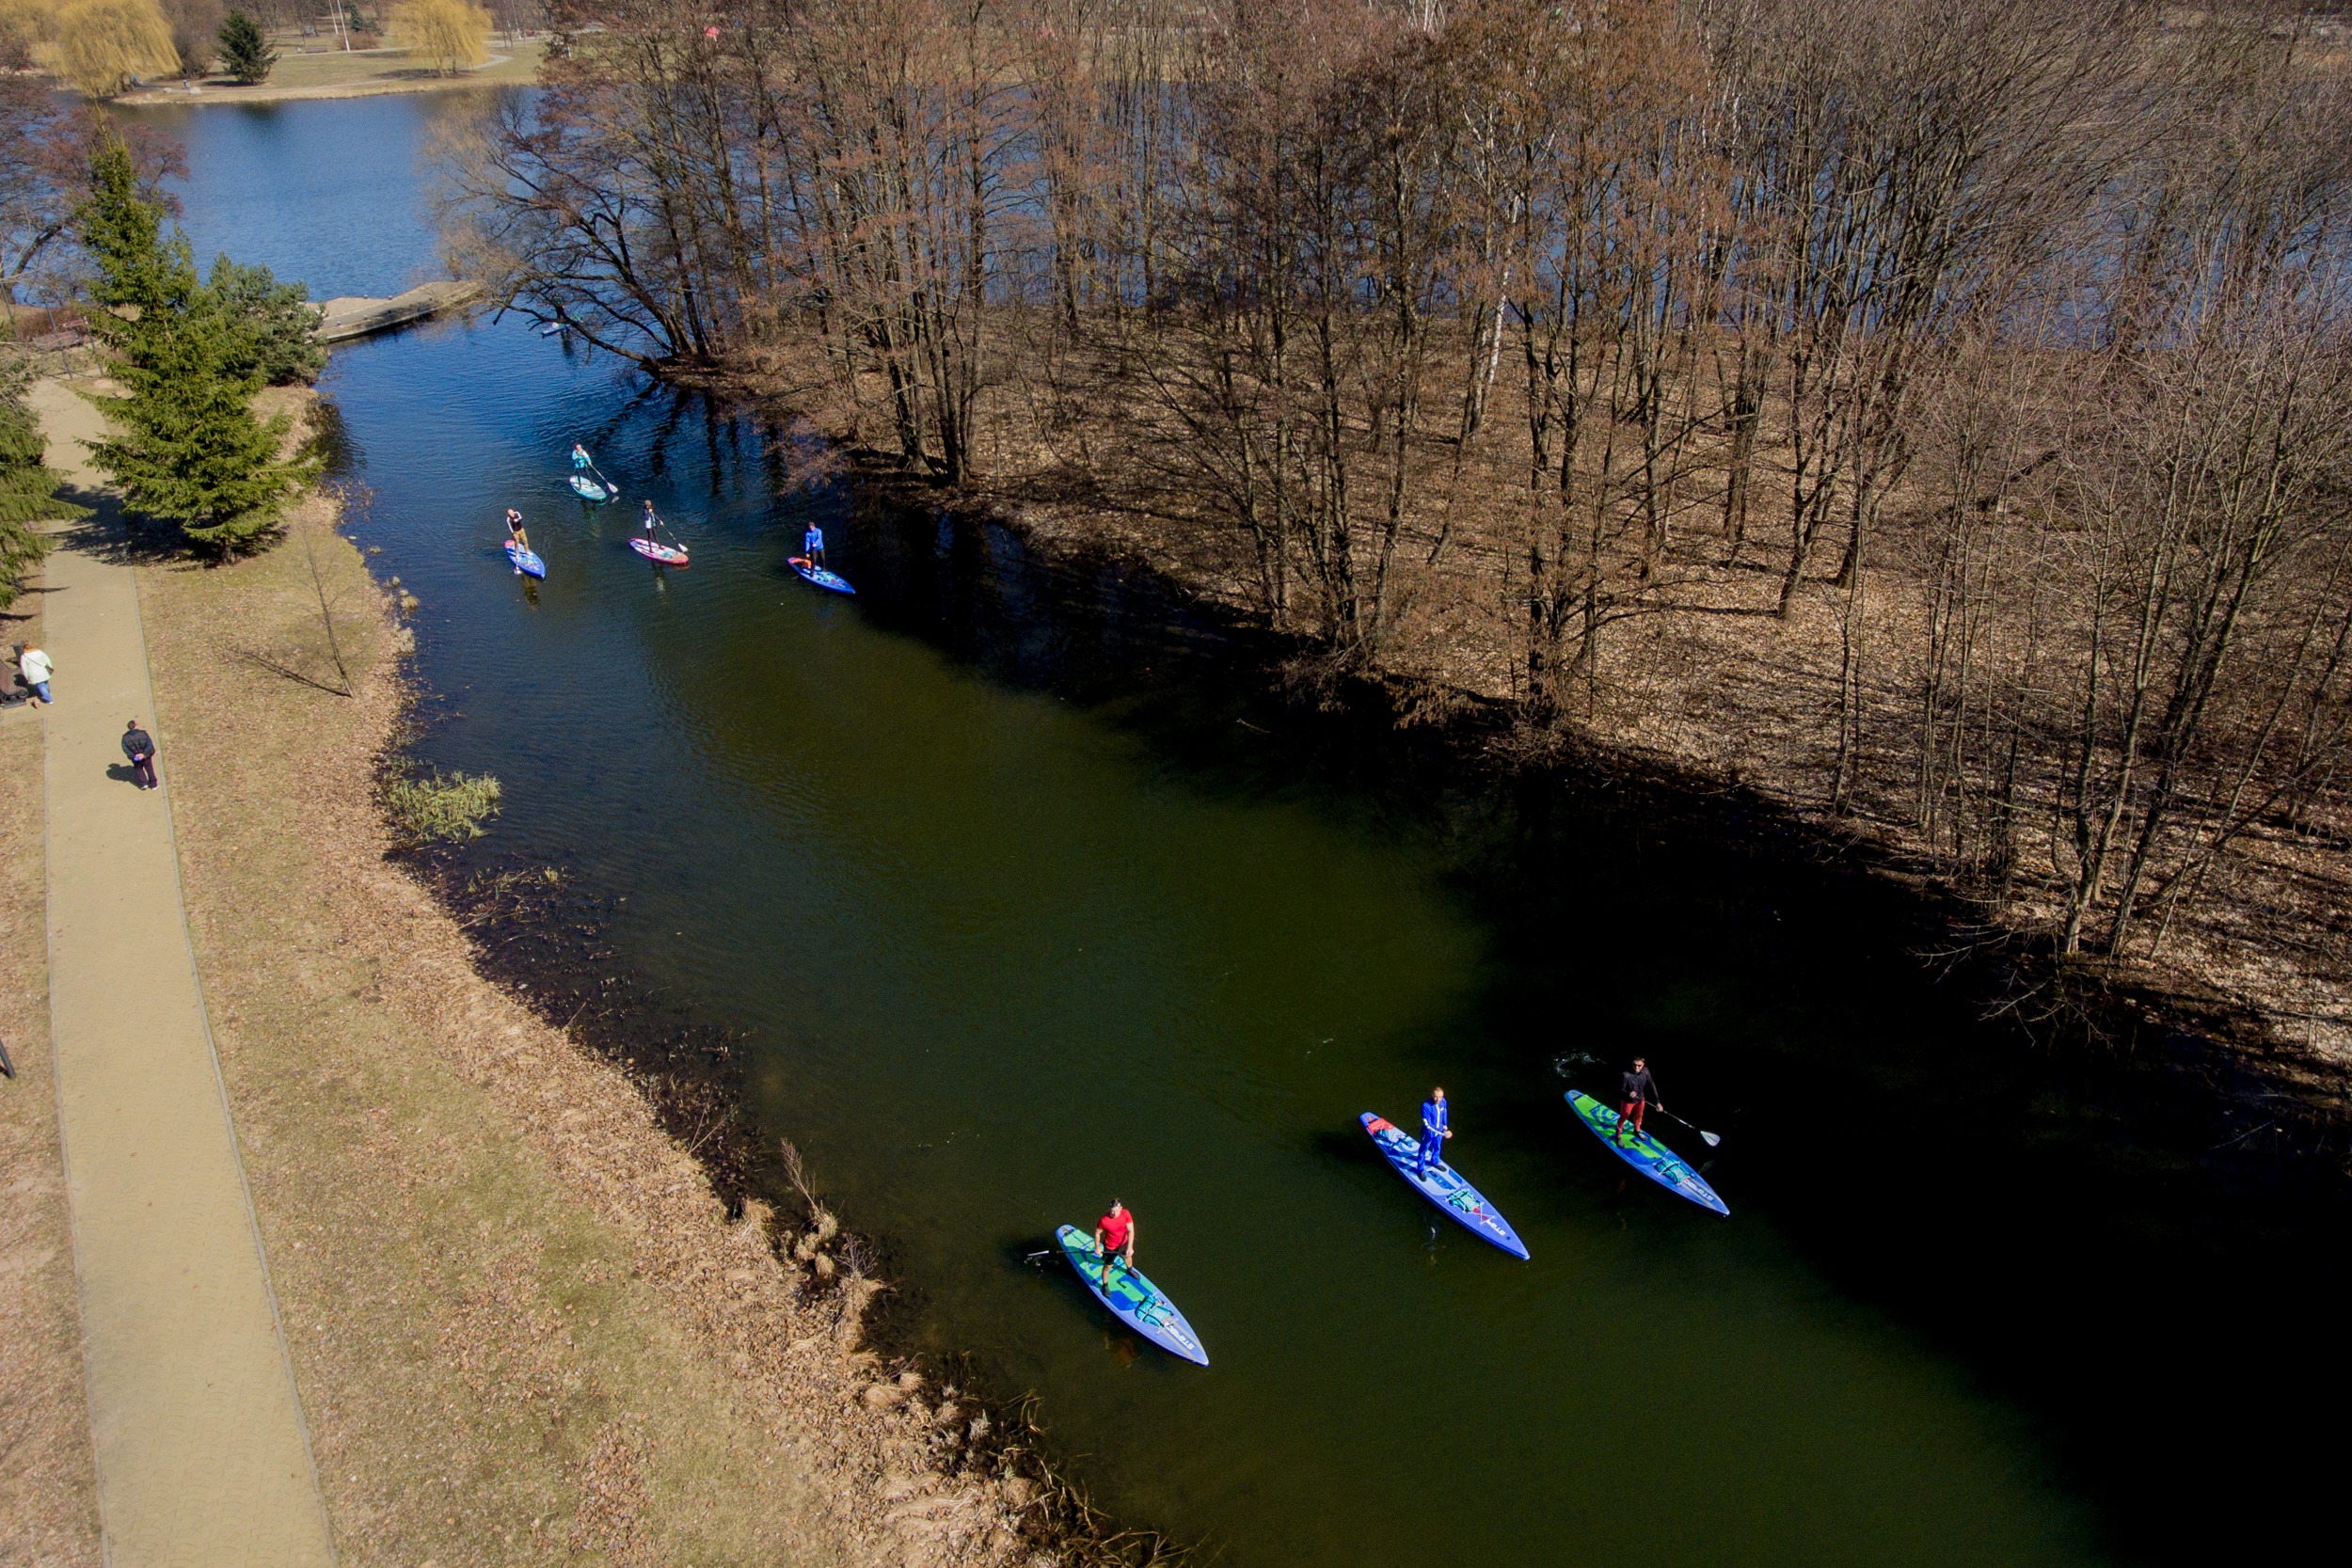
x: 337, y: 74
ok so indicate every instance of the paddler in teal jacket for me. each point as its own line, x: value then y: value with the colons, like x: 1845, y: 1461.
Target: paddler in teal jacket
x: 1434, y: 1131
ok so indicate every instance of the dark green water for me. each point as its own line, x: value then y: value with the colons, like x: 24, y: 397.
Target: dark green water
x: 1019, y: 922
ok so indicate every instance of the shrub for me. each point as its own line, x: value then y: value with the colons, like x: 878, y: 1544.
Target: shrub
x: 440, y: 808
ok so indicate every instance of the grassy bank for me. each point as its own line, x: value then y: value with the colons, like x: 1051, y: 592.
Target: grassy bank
x: 48, y: 1490
x: 520, y: 1322
x: 522, y: 1329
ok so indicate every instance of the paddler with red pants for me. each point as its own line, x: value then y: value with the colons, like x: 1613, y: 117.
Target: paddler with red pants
x: 1639, y: 1094
x: 1115, y: 1239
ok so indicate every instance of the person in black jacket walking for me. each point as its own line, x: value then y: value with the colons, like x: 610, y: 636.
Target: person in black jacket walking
x: 1640, y: 1090
x: 140, y: 747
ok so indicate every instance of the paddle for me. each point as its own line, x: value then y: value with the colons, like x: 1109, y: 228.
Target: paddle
x: 1709, y: 1139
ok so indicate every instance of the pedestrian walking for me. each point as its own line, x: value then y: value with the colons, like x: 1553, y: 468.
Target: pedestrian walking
x: 140, y: 747
x: 34, y: 667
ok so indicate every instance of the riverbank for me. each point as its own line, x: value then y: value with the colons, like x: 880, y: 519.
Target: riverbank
x: 520, y: 1324
x: 355, y: 73
x: 1697, y: 681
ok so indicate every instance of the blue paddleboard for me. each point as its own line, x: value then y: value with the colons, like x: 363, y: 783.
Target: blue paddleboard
x: 1646, y: 1154
x: 1132, y: 1299
x: 821, y: 578
x: 526, y: 561
x: 1462, y: 1203
x: 589, y: 490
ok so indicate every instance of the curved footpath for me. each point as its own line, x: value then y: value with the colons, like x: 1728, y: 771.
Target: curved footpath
x: 520, y: 1325
x: 201, y: 1455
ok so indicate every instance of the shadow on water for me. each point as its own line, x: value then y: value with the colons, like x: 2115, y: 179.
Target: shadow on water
x: 2085, y: 1212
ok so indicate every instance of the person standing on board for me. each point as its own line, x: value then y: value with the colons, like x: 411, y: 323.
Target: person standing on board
x: 813, y: 546
x: 1434, y: 1131
x: 1640, y: 1093
x: 515, y: 530
x: 140, y: 747
x: 580, y: 455
x: 1115, y: 1237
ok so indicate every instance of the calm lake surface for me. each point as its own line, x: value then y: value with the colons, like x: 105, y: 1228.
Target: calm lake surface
x: 1018, y: 924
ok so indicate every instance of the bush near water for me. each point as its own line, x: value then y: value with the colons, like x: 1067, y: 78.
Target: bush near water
x: 440, y: 808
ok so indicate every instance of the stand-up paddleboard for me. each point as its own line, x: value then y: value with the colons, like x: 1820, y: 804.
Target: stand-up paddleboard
x: 526, y: 561
x: 589, y: 490
x: 660, y: 554
x: 1459, y: 1200
x: 1132, y: 1299
x: 1646, y: 1154
x: 810, y: 571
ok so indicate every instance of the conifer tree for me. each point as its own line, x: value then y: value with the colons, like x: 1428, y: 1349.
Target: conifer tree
x: 278, y: 318
x: 245, y: 52
x: 190, y: 449
x: 27, y: 490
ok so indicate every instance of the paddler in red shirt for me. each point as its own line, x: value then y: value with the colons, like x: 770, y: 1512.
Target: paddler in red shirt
x: 1115, y: 1237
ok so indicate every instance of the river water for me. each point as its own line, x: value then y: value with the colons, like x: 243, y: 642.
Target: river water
x: 1021, y: 914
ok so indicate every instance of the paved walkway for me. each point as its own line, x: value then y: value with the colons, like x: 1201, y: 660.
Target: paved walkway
x: 202, y: 1459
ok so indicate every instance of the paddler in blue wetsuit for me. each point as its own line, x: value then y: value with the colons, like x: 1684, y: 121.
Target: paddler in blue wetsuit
x: 1434, y: 1131
x: 579, y: 456
x: 1639, y: 1094
x: 1115, y: 1237
x: 813, y: 546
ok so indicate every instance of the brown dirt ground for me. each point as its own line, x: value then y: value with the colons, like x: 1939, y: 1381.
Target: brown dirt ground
x: 48, y: 1488
x: 1705, y: 682
x: 522, y: 1327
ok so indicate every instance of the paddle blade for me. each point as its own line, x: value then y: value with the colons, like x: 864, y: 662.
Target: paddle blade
x: 1709, y: 1139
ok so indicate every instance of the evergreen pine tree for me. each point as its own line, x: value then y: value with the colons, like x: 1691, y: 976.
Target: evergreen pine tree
x: 277, y: 317
x: 244, y: 52
x: 190, y: 449
x: 27, y: 490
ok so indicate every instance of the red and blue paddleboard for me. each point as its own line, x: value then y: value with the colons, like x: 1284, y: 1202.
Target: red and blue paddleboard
x: 1457, y: 1198
x: 811, y: 572
x: 1132, y: 1299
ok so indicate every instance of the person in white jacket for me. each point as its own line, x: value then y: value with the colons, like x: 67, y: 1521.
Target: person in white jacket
x: 35, y: 667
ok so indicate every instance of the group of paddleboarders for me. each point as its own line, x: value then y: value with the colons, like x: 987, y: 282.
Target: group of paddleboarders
x: 1115, y: 1232
x: 1640, y: 1092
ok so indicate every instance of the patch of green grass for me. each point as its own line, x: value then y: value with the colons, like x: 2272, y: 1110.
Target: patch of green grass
x: 441, y: 808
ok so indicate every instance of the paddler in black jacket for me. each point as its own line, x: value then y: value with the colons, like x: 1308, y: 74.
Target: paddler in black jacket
x: 1640, y: 1090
